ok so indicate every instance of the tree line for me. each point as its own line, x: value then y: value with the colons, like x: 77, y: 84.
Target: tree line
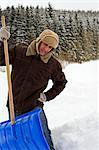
x: 78, y: 30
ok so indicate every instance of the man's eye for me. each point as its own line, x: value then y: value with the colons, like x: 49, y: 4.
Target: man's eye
x: 46, y: 44
x: 50, y: 47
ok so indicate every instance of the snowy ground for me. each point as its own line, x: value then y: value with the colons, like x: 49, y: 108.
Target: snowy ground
x: 73, y: 116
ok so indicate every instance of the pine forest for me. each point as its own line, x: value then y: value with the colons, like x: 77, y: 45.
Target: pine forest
x: 78, y: 30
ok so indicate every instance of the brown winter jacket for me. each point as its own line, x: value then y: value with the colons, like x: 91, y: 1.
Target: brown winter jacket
x: 30, y: 76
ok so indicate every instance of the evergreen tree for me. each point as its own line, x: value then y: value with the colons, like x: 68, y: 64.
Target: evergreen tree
x: 0, y: 16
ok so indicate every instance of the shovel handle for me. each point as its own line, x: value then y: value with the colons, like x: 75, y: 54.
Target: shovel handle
x: 11, y: 104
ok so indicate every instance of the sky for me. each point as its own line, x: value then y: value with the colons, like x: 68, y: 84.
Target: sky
x: 57, y: 4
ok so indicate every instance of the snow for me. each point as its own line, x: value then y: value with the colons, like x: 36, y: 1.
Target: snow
x: 73, y: 116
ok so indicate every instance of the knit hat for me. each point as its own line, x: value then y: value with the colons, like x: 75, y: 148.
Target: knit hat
x: 49, y: 37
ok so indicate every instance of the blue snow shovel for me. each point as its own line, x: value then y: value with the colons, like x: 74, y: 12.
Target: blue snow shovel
x: 25, y: 131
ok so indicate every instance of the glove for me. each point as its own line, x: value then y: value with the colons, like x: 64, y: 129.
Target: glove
x: 42, y: 97
x: 4, y: 33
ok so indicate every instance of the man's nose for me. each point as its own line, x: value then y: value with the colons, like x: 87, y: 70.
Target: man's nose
x: 47, y: 48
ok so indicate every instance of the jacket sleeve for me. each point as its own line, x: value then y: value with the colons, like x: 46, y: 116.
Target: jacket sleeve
x: 2, y: 59
x: 2, y: 56
x: 59, y: 81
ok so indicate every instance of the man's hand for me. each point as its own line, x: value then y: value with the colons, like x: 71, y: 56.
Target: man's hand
x: 4, y: 33
x: 42, y: 97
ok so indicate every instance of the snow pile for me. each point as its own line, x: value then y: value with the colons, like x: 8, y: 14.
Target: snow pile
x: 80, y: 134
x: 74, y: 115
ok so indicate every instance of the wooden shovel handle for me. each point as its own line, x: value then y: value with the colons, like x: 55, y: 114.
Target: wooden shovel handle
x: 11, y: 104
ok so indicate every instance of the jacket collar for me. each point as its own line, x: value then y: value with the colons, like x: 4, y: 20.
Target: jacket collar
x: 33, y: 50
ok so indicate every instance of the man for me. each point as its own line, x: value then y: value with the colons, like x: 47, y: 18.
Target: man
x: 32, y: 67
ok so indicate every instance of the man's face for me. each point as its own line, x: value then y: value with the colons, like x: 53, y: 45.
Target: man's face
x: 44, y: 48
